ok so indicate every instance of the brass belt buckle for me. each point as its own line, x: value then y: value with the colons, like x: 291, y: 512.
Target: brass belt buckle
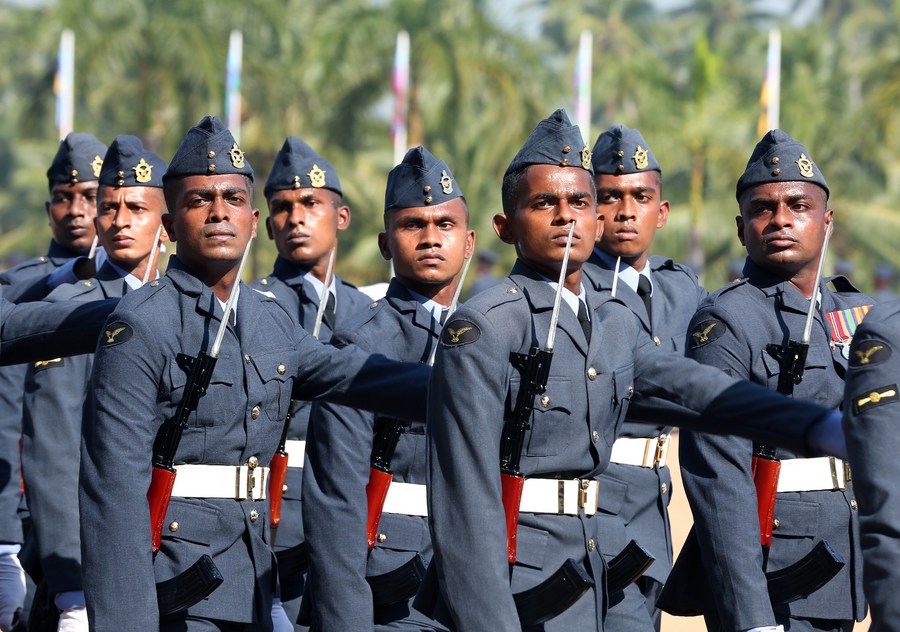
x: 582, y: 493
x: 252, y: 462
x: 661, y: 441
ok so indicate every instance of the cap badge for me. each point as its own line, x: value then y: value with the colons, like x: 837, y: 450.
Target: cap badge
x: 316, y: 176
x: 143, y: 171
x: 586, y: 157
x: 806, y: 166
x: 640, y: 158
x: 237, y: 156
x: 96, y: 165
x: 446, y: 183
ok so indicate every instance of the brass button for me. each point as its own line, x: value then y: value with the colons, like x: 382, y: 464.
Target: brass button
x: 247, y: 358
x: 281, y: 369
x: 663, y: 488
x: 154, y: 283
x: 545, y: 401
x: 657, y: 341
x: 211, y: 154
x: 87, y: 283
x: 512, y: 290
x: 42, y: 259
x: 284, y: 488
x: 252, y: 462
x: 853, y: 505
x: 264, y: 281
x: 173, y: 526
x: 592, y: 374
x: 630, y: 389
x: 211, y: 168
x: 776, y: 523
x: 255, y: 412
x: 591, y: 545
x: 595, y: 436
x: 373, y: 305
x: 254, y: 515
x: 382, y: 538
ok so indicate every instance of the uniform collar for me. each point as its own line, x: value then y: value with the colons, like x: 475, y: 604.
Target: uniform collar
x: 57, y: 254
x: 426, y: 312
x: 627, y: 274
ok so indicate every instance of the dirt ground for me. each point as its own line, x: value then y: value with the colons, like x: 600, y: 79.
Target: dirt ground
x: 680, y: 515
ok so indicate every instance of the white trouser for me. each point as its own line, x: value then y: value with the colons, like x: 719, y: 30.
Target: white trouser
x: 72, y: 612
x: 12, y: 586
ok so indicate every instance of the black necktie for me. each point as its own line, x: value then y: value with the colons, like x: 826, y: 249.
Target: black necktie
x: 643, y: 290
x: 444, y: 313
x: 328, y: 317
x: 584, y: 320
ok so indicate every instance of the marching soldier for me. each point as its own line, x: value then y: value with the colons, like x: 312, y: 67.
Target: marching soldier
x: 663, y: 295
x: 143, y: 370
x: 426, y: 236
x: 600, y: 358
x: 746, y: 329
x: 306, y: 214
x: 130, y: 206
x: 870, y: 422
x: 72, y: 179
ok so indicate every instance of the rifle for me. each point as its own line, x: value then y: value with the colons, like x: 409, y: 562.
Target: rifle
x: 279, y: 463
x: 797, y: 580
x: 198, y: 581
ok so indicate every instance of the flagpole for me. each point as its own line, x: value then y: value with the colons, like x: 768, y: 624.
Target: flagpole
x: 400, y: 87
x: 770, y: 96
x: 64, y: 84
x: 233, y: 84
x: 582, y: 84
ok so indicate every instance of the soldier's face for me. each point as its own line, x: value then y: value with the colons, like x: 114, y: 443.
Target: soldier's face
x: 71, y: 211
x: 782, y: 225
x: 548, y: 200
x: 304, y: 224
x: 633, y: 209
x: 428, y: 245
x: 127, y: 220
x: 212, y: 219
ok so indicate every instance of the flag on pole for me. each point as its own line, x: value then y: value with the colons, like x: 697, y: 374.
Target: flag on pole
x: 233, y: 84
x: 582, y: 84
x: 770, y: 96
x: 400, y: 87
x: 64, y: 84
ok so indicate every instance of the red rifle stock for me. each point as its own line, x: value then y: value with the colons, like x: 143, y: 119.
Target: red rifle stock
x: 512, y: 486
x: 765, y: 477
x: 376, y: 493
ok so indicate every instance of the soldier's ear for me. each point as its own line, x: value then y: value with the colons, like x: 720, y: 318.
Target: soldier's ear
x: 168, y: 222
x: 503, y: 226
x: 343, y: 217
x: 740, y: 228
x: 269, y: 230
x: 384, y: 246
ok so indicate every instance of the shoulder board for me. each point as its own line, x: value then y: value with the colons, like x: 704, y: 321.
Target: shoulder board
x: 728, y: 287
x: 145, y: 292
x: 842, y: 284
x: 69, y: 291
x: 501, y: 294
x: 263, y: 282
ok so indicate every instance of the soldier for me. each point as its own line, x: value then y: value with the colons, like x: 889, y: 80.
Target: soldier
x: 602, y: 356
x: 130, y: 205
x: 427, y: 238
x: 72, y: 179
x: 138, y: 382
x: 743, y: 329
x: 663, y: 295
x: 870, y: 422
x: 306, y: 213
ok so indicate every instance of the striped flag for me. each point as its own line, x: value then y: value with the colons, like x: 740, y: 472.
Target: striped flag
x: 400, y: 87
x: 770, y: 96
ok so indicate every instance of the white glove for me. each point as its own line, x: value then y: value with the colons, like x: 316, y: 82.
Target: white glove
x: 72, y: 612
x: 768, y: 628
x: 280, y: 621
x: 12, y: 588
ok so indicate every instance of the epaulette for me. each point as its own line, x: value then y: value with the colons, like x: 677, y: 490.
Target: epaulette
x: 146, y: 291
x: 842, y: 284
x: 714, y: 296
x: 493, y: 297
x: 9, y: 276
x: 69, y: 291
x: 361, y: 317
x: 263, y: 281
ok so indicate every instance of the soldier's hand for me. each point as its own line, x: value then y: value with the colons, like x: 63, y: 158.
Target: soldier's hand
x: 12, y: 590
x: 827, y: 437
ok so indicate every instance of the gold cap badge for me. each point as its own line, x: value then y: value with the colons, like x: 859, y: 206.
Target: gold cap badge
x: 237, y: 156
x: 640, y: 158
x: 143, y: 171
x: 316, y: 176
x: 806, y: 166
x: 96, y: 165
x: 586, y: 157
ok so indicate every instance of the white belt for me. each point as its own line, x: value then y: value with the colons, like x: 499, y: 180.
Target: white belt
x: 241, y: 482
x: 641, y: 452
x: 296, y: 451
x: 408, y: 499
x: 565, y: 497
x: 810, y: 475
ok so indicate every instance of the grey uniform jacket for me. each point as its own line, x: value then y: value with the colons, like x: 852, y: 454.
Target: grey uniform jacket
x: 337, y: 472
x: 298, y: 296
x: 55, y: 391
x: 731, y: 331
x: 136, y: 386
x: 871, y: 424
x: 590, y: 385
x: 22, y: 283
x: 640, y: 495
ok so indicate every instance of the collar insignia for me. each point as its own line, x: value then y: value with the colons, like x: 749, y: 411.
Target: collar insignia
x: 446, y: 183
x: 237, y: 156
x: 805, y: 165
x: 143, y: 171
x: 640, y: 158
x: 316, y: 176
